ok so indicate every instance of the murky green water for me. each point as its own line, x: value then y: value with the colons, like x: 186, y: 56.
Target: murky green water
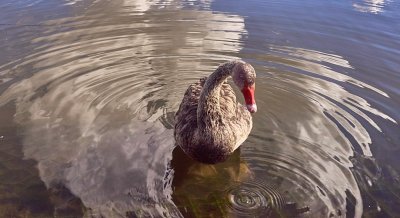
x: 88, y: 92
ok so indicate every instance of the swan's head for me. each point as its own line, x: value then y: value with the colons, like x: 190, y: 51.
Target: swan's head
x: 244, y: 76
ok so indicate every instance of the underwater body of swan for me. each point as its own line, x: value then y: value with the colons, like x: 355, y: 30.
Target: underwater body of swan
x: 210, y: 123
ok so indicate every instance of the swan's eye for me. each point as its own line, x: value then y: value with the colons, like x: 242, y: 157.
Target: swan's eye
x: 249, y: 82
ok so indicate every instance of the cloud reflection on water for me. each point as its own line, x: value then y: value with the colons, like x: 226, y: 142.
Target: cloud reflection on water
x: 92, y: 111
x: 370, y: 6
x: 313, y: 122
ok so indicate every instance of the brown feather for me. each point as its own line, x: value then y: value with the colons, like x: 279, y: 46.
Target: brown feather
x: 210, y: 134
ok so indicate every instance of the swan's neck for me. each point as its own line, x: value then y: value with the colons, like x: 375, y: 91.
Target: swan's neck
x: 209, y: 115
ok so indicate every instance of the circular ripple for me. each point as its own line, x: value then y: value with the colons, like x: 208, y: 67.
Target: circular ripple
x: 254, y: 198
x: 245, y: 199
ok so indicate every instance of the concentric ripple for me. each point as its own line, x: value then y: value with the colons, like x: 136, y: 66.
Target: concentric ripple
x: 253, y: 199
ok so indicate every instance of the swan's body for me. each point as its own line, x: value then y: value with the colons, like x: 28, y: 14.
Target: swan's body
x: 210, y: 124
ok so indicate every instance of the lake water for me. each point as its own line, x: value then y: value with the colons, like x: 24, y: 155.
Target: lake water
x: 88, y: 92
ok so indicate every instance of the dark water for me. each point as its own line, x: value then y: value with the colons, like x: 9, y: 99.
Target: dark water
x: 88, y: 91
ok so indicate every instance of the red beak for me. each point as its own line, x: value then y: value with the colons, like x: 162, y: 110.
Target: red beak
x: 248, y: 93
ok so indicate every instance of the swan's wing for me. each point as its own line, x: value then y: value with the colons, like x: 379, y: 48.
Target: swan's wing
x: 237, y: 117
x: 186, y: 116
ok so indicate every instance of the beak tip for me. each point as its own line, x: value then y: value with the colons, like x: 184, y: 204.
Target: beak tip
x: 252, y: 108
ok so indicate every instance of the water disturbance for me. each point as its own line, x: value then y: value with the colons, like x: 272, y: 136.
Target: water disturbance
x: 89, y: 88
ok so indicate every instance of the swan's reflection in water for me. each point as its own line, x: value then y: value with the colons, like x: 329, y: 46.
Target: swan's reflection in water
x: 198, y: 189
x: 227, y: 189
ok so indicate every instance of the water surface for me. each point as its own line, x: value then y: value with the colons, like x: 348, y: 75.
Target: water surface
x: 88, y: 92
